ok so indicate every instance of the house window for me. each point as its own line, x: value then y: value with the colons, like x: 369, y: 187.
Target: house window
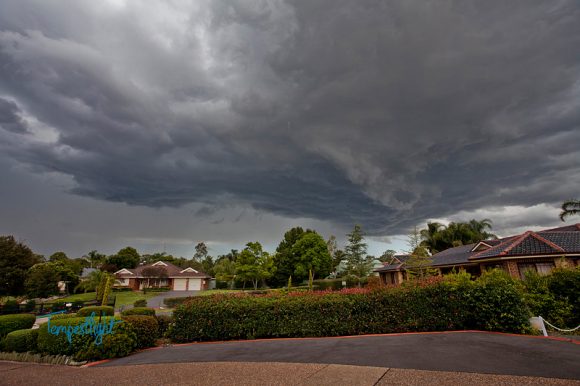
x: 526, y: 267
x: 541, y: 268
x: 544, y: 268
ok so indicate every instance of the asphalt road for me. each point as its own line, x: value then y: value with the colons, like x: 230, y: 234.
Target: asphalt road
x: 157, y: 301
x: 473, y: 352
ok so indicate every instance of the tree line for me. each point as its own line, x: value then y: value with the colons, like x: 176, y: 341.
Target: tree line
x: 301, y: 255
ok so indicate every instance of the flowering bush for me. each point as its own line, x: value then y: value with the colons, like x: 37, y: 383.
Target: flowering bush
x: 492, y: 303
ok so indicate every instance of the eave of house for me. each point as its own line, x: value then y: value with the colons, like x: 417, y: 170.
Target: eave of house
x: 515, y: 257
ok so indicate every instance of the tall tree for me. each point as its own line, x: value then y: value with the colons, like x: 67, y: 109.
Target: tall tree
x: 387, y: 256
x: 58, y: 256
x: 437, y: 237
x: 15, y: 261
x: 225, y: 270
x: 42, y: 280
x: 155, y: 257
x: 284, y: 259
x: 254, y: 264
x: 358, y: 263
x: 91, y: 283
x: 569, y: 208
x: 419, y: 264
x: 127, y: 257
x: 95, y: 259
x: 200, y: 251
x: 336, y: 254
x: 433, y: 237
x: 231, y: 256
x: 312, y: 257
x: 207, y: 265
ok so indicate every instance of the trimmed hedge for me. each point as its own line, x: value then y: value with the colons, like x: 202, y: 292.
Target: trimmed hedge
x: 146, y: 328
x: 98, y: 310
x: 139, y: 311
x: 494, y: 302
x: 63, y: 316
x: 20, y: 341
x: 140, y: 303
x: 121, y: 342
x: 9, y: 323
x: 174, y: 302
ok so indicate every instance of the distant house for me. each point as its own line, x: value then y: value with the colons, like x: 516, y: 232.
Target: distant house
x: 163, y: 275
x: 539, y: 251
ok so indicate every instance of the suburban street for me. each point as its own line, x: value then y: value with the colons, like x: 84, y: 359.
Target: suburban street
x: 472, y: 352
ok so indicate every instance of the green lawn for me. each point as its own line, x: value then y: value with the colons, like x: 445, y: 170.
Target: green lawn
x: 122, y: 298
x: 129, y: 297
x: 86, y: 297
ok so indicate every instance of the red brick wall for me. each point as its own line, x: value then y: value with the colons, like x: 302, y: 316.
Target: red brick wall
x: 512, y: 269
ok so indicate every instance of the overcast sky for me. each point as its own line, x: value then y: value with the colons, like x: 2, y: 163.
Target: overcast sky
x: 159, y: 124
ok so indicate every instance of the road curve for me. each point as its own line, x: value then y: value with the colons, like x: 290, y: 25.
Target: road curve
x: 469, y: 351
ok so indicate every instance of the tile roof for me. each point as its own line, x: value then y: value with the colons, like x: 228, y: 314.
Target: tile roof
x: 172, y: 271
x: 395, y: 264
x: 556, y: 241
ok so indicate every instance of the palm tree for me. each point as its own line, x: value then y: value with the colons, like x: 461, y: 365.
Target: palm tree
x: 569, y: 208
x: 481, y: 227
x: 431, y: 237
x: 91, y: 283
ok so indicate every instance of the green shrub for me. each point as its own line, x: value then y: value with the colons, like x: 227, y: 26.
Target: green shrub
x: 20, y: 341
x: 564, y: 284
x: 30, y: 305
x: 145, y: 327
x: 174, y: 302
x: 324, y: 284
x: 222, y: 284
x: 140, y: 303
x: 121, y: 342
x: 9, y: 323
x: 122, y: 289
x: 492, y: 303
x: 11, y: 306
x: 164, y: 322
x: 98, y: 310
x: 140, y: 311
x: 542, y: 302
x: 64, y: 316
x: 497, y: 304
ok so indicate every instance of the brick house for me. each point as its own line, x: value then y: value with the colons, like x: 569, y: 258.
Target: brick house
x: 539, y: 251
x: 163, y: 274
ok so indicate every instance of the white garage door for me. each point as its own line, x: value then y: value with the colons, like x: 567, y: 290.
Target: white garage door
x: 179, y: 284
x: 194, y: 284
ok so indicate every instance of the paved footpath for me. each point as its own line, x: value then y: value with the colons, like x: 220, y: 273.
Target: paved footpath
x: 225, y: 373
x: 474, y: 352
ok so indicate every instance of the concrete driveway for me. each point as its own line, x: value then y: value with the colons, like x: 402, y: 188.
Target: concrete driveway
x: 157, y: 301
x: 473, y: 352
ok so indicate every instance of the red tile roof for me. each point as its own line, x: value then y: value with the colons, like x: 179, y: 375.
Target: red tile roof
x: 556, y: 241
x: 172, y: 271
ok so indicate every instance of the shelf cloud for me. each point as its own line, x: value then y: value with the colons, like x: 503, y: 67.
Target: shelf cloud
x: 379, y: 113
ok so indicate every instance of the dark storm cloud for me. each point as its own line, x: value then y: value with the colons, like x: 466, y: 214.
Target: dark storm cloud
x: 10, y: 119
x: 382, y: 113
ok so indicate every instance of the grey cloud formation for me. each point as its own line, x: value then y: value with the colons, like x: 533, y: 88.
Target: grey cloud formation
x: 371, y: 112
